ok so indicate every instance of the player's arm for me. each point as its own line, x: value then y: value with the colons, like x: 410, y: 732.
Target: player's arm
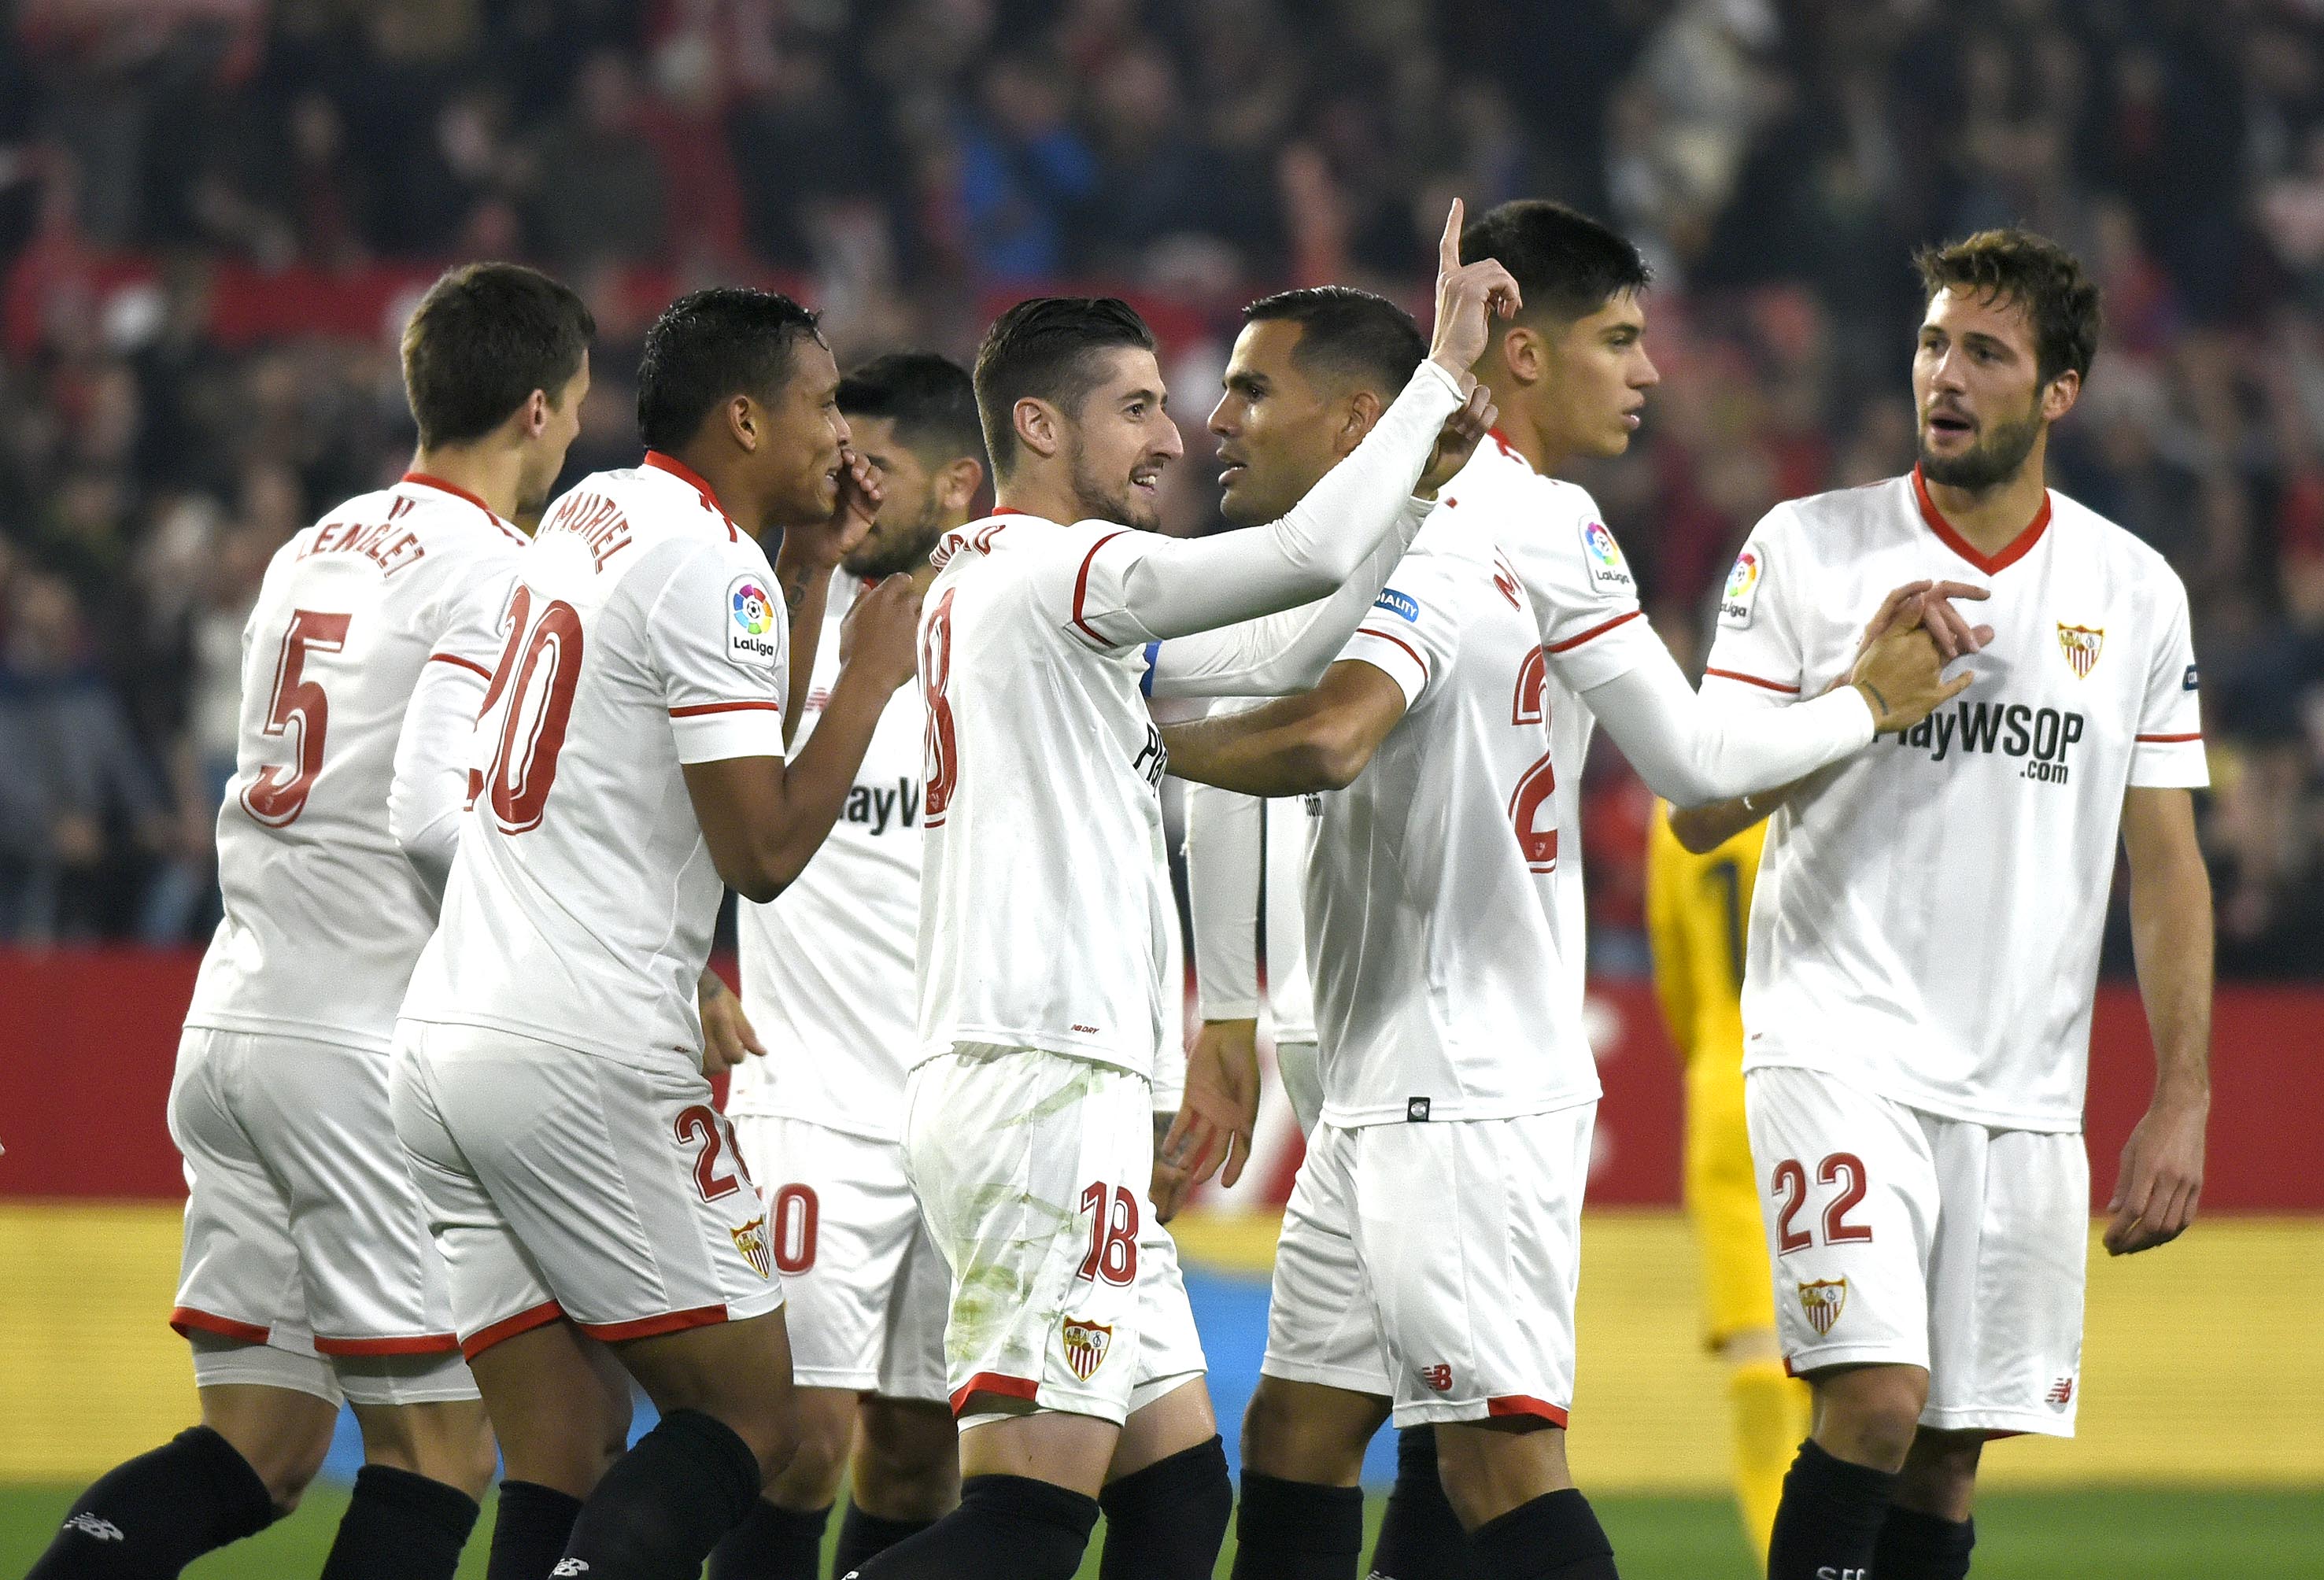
x: 431, y: 786
x: 1318, y: 740
x: 2170, y: 935
x: 803, y: 568
x: 1703, y: 828
x: 1224, y: 876
x: 763, y: 816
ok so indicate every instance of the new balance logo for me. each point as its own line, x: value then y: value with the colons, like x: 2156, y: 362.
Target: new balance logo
x: 90, y: 1525
x: 2060, y: 1395
x: 570, y: 1566
x: 1438, y: 1377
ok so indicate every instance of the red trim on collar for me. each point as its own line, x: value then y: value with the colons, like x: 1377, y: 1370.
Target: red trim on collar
x: 696, y: 481
x: 1009, y: 511
x: 454, y: 489
x: 2016, y: 549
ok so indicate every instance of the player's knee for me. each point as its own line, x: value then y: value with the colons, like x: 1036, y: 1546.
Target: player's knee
x: 1286, y: 1435
x: 907, y: 1462
x: 824, y: 1432
x: 1870, y: 1414
x: 1939, y: 1475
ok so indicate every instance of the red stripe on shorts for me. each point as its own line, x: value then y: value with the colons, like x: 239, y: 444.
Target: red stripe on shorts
x: 524, y: 1321
x: 426, y: 1344
x: 185, y: 1319
x: 1518, y: 1404
x: 999, y: 1382
x: 647, y: 1327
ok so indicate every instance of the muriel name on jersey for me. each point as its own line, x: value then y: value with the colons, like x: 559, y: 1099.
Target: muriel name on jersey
x: 2043, y: 736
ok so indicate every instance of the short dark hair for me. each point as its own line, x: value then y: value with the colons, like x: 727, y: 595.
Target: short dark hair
x: 1567, y: 265
x: 711, y: 346
x: 931, y: 400
x: 1348, y: 335
x: 1044, y: 348
x: 2060, y: 301
x: 482, y: 339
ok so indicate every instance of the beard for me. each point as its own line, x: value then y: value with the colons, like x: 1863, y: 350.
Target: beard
x: 1098, y: 499
x: 1993, y: 459
x: 881, y: 555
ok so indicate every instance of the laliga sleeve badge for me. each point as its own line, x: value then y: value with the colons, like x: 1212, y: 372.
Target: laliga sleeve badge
x: 751, y: 623
x: 1741, y: 595
x: 1603, y: 555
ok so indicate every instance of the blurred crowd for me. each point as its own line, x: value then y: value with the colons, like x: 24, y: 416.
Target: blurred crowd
x: 213, y: 212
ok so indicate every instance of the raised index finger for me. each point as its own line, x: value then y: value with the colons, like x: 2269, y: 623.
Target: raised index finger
x: 1448, y: 250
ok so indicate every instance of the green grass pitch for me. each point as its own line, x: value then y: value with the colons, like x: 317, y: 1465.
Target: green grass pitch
x: 2122, y: 1534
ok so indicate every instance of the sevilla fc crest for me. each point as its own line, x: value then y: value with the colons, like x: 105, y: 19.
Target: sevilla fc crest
x: 2081, y: 644
x: 750, y: 1240
x: 1821, y: 1300
x: 1085, y: 1346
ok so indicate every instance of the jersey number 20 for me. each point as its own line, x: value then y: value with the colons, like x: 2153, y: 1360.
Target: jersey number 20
x: 524, y: 764
x: 1530, y: 807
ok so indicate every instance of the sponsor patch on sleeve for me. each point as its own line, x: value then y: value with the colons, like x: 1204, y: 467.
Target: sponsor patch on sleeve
x: 1741, y: 594
x: 2189, y: 683
x: 1401, y: 603
x: 1603, y: 555
x: 751, y: 622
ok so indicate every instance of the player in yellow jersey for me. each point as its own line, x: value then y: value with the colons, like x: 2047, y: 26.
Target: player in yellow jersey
x: 1698, y: 911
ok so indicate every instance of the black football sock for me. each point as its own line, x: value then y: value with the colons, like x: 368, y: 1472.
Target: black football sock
x: 1420, y: 1537
x: 529, y: 1531
x: 1007, y: 1528
x: 1915, y: 1546
x: 1555, y: 1537
x: 1165, y: 1522
x: 665, y: 1503
x: 773, y: 1543
x: 1297, y: 1530
x: 1829, y: 1519
x: 400, y: 1526
x: 862, y: 1536
x: 149, y: 1518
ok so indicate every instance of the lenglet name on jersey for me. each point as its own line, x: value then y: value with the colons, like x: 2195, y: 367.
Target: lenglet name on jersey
x: 876, y: 806
x: 2043, y: 736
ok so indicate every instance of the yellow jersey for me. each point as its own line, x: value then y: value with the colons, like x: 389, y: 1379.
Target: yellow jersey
x: 1698, y: 918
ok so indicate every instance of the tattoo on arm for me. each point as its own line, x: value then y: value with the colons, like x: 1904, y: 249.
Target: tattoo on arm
x: 794, y: 586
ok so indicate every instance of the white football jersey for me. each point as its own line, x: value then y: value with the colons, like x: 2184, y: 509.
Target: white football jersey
x: 1044, y: 892
x: 642, y: 633
x: 1247, y: 869
x: 1929, y: 911
x: 324, y: 915
x: 827, y: 965
x: 1433, y: 902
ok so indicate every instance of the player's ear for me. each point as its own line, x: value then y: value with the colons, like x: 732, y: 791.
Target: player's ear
x: 1524, y: 353
x: 532, y: 417
x: 1364, y: 409
x: 957, y: 484
x: 2058, y: 397
x: 745, y: 423
x: 1040, y: 427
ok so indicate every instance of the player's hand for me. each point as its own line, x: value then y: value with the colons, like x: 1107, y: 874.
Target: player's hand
x: 1930, y: 604
x: 1218, y: 1114
x: 826, y: 542
x: 1901, y: 676
x: 1167, y: 1190
x: 881, y: 634
x: 727, y: 1038
x: 2161, y: 1177
x: 1463, y: 430
x: 1468, y: 297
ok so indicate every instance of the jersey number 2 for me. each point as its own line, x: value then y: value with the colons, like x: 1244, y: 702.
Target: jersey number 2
x: 1531, y: 810
x: 276, y: 799
x: 524, y: 764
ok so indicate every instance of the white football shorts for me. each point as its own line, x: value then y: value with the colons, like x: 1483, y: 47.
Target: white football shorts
x: 1032, y: 1168
x: 1436, y: 1264
x: 1900, y: 1237
x: 304, y: 1231
x: 867, y: 1288
x: 560, y: 1183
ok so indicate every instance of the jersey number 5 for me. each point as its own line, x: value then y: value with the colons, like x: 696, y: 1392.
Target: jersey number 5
x: 942, y: 757
x: 524, y: 764
x: 276, y: 799
x: 1531, y: 810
